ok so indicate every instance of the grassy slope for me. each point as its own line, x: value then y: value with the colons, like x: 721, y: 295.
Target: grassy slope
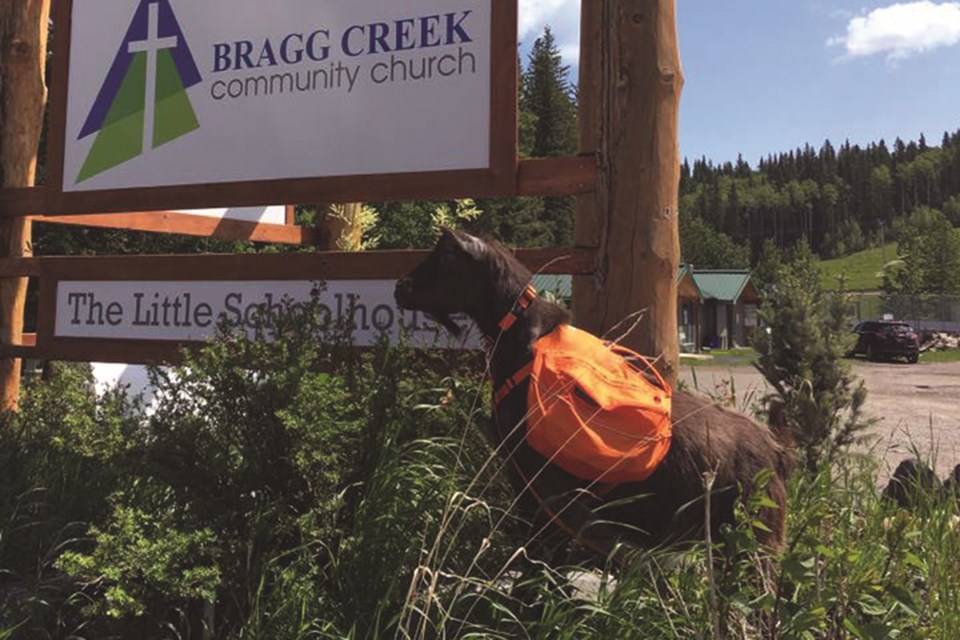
x: 861, y: 268
x: 940, y: 356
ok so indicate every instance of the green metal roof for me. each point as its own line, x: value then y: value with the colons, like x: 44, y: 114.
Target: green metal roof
x: 562, y: 285
x: 559, y: 285
x: 723, y: 285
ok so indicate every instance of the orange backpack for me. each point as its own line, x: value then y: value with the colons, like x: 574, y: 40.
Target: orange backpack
x: 591, y: 411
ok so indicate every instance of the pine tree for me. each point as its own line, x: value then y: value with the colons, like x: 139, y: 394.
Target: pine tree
x: 802, y: 358
x: 546, y: 94
x: 769, y: 266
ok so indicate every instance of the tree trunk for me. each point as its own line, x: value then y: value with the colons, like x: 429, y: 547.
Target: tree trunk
x: 630, y: 84
x: 23, y: 95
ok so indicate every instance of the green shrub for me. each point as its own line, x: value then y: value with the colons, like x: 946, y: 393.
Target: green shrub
x: 802, y: 358
x: 61, y: 456
x: 296, y: 489
x: 140, y: 554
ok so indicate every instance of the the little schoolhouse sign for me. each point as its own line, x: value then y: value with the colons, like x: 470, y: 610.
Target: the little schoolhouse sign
x: 193, y: 311
x: 164, y: 93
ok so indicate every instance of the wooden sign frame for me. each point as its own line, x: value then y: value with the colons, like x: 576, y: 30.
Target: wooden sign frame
x: 630, y: 74
x: 181, y: 223
x: 500, y: 179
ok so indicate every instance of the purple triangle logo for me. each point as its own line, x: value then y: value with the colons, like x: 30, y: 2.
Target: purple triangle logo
x: 152, y: 27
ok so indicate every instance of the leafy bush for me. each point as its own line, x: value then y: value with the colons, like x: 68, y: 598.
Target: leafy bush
x: 928, y: 249
x: 263, y: 487
x: 295, y: 489
x: 61, y: 457
x: 140, y: 555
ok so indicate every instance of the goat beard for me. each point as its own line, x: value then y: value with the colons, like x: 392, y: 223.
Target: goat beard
x: 447, y: 322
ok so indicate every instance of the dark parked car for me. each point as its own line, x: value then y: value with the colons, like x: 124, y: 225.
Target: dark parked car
x: 886, y: 339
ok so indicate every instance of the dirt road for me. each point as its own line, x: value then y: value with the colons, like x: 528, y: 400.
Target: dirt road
x: 917, y: 406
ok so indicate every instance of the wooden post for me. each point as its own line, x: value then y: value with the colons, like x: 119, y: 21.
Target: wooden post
x: 630, y: 84
x: 339, y: 227
x: 23, y: 95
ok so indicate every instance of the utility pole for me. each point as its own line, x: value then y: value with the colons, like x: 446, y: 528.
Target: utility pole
x: 23, y: 96
x: 629, y: 97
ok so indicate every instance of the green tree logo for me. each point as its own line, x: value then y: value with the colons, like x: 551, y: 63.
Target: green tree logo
x: 143, y: 102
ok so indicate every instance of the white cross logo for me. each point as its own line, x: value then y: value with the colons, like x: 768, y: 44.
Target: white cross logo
x: 151, y: 45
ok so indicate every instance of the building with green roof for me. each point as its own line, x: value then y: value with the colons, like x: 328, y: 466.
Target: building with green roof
x: 729, y: 307
x: 716, y: 308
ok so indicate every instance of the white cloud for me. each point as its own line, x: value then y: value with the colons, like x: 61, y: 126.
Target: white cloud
x: 563, y: 17
x: 901, y: 30
x: 536, y: 13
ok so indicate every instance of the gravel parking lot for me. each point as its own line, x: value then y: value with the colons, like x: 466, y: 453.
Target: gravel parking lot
x: 917, y: 406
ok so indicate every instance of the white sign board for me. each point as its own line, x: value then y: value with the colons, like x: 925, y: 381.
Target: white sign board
x: 262, y: 215
x: 133, y: 378
x: 192, y: 310
x: 179, y: 92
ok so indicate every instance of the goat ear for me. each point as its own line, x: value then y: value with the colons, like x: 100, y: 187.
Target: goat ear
x: 449, y: 234
x: 464, y: 241
x: 453, y: 234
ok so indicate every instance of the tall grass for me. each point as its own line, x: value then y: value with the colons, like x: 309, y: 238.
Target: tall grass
x: 854, y: 566
x: 266, y: 498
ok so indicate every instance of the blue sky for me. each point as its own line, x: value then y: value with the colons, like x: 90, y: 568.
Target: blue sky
x: 765, y: 76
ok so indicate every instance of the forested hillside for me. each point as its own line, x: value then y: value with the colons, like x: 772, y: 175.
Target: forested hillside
x: 841, y: 199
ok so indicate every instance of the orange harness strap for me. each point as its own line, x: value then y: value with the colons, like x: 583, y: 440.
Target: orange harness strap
x: 511, y: 383
x: 527, y: 296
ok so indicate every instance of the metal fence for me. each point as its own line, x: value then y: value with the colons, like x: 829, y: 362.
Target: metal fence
x: 925, y: 313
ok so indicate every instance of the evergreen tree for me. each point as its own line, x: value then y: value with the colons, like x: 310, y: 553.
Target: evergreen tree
x: 769, y: 266
x: 547, y: 96
x: 951, y: 209
x: 732, y: 219
x: 802, y: 358
x: 516, y: 221
x: 743, y: 168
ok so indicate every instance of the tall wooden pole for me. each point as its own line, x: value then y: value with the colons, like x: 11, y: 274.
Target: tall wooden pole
x: 23, y: 95
x: 630, y: 84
